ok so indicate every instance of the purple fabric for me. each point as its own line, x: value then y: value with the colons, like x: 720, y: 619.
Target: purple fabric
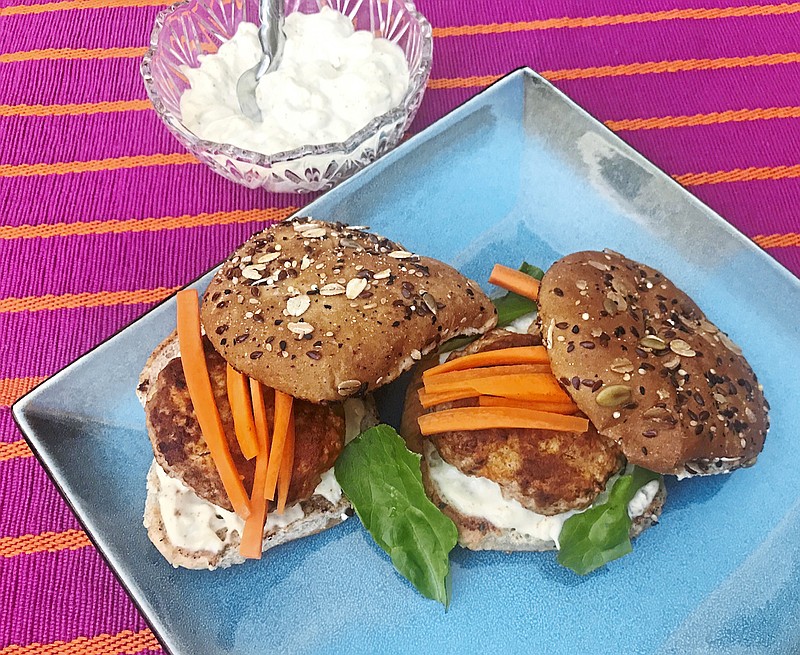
x: 55, y: 587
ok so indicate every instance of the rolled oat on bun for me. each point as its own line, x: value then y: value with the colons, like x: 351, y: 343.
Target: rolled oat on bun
x: 326, y: 311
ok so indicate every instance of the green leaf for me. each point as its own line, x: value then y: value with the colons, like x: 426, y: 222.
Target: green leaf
x: 382, y: 479
x: 602, y: 533
x: 511, y: 306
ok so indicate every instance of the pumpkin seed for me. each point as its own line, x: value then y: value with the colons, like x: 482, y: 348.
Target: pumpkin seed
x: 613, y: 396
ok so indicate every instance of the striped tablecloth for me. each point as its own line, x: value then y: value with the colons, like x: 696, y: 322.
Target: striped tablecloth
x: 102, y: 214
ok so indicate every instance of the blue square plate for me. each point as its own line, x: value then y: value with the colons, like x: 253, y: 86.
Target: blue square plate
x: 518, y: 172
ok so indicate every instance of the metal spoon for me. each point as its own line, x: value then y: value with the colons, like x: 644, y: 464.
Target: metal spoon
x: 272, y: 38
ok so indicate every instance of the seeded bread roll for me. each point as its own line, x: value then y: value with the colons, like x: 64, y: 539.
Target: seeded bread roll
x: 647, y: 367
x: 324, y: 311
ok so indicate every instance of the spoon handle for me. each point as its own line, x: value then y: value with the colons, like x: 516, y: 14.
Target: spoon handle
x: 271, y: 15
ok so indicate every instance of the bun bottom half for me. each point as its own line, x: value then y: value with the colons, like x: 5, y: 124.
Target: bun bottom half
x: 478, y: 533
x: 318, y: 514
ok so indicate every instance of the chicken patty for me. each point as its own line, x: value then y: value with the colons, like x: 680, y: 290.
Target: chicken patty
x: 182, y: 452
x: 546, y: 471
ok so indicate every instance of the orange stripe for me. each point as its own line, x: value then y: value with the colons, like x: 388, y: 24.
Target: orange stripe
x: 46, y: 542
x: 468, y: 30
x: 72, y: 53
x: 95, y: 165
x: 126, y: 642
x: 81, y: 109
x: 14, y: 450
x: 740, y: 175
x: 126, y: 226
x: 86, y: 299
x: 13, y: 388
x: 21, y: 10
x: 713, y: 118
x: 644, y: 68
x: 789, y: 240
x: 618, y: 19
x: 673, y: 66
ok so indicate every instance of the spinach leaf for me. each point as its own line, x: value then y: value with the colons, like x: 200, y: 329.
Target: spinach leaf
x: 602, y: 534
x: 512, y: 306
x: 382, y: 479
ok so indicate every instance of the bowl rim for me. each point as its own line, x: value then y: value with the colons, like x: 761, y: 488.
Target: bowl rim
x: 192, y: 141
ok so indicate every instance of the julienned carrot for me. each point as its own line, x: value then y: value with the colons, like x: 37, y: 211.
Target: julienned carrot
x: 253, y: 534
x: 283, y: 413
x: 542, y: 406
x: 205, y: 407
x: 260, y: 413
x: 518, y: 355
x: 516, y: 281
x: 483, y: 418
x: 285, y: 476
x: 429, y: 400
x: 444, y: 380
x: 528, y: 386
x: 242, y: 410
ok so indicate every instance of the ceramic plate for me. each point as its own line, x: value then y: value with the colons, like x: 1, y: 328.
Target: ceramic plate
x: 517, y: 172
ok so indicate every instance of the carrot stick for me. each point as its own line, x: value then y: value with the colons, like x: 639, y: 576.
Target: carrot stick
x: 526, y: 386
x: 285, y: 476
x: 515, y: 281
x: 242, y: 410
x: 457, y: 377
x: 260, y: 413
x: 543, y: 406
x: 283, y: 413
x: 205, y: 407
x: 482, y: 418
x: 518, y: 355
x: 429, y: 400
x: 253, y: 533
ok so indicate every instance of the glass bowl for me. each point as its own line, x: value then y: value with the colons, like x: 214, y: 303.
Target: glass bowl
x: 191, y: 28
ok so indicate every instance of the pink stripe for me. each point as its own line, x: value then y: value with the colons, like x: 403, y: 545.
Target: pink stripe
x: 67, y: 605
x: 762, y: 207
x: 789, y: 257
x: 489, y: 11
x: 686, y: 93
x: 70, y: 81
x: 30, y: 500
x: 88, y: 28
x: 696, y: 149
x: 50, y: 340
x: 612, y: 45
x: 51, y: 139
x: 154, y: 191
x: 106, y: 265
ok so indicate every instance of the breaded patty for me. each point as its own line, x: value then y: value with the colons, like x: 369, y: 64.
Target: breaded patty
x: 546, y: 471
x: 182, y: 452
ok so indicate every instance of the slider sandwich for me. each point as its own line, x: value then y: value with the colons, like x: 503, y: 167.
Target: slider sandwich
x: 620, y: 380
x: 250, y: 402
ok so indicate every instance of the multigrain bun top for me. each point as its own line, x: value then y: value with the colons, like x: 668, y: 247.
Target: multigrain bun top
x: 323, y: 311
x: 648, y: 368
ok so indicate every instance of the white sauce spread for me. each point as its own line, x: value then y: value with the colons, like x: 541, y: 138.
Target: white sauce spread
x: 482, y: 498
x: 331, y: 82
x: 522, y: 324
x: 192, y: 522
x: 642, y: 498
x: 195, y: 524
